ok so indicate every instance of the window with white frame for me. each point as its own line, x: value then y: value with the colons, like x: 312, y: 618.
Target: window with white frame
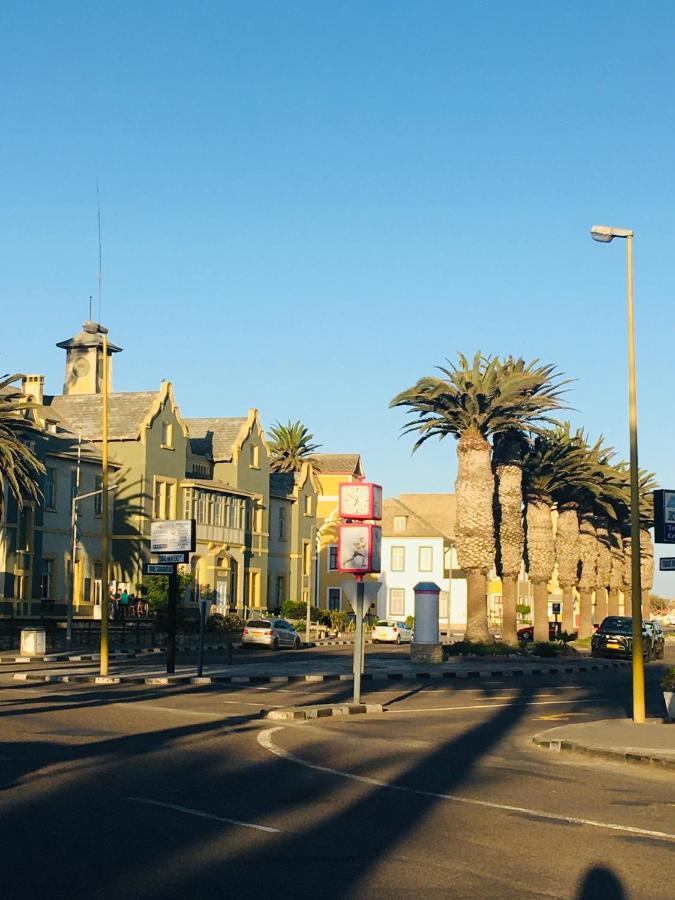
x: 167, y: 435
x: 397, y: 559
x: 282, y: 523
x: 396, y: 601
x: 308, y: 506
x: 306, y: 558
x: 400, y: 523
x: 334, y: 596
x: 425, y: 559
x: 254, y: 456
x: 164, y: 503
x: 333, y: 558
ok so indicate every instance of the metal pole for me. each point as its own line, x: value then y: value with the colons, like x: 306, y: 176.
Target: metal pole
x: 636, y: 586
x: 452, y: 550
x: 71, y: 598
x: 358, y: 637
x: 104, y: 511
x: 202, y: 627
x: 171, y: 623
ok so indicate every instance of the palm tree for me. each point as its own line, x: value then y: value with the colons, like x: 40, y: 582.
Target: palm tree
x: 555, y: 466
x: 616, y: 571
x: 291, y: 446
x: 473, y: 402
x: 508, y: 510
x: 19, y: 466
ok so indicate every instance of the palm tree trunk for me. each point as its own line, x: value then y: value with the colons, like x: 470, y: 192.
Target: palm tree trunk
x: 509, y: 604
x: 585, y: 612
x: 601, y: 604
x: 646, y: 570
x: 541, y: 560
x: 568, y: 609
x: 476, y: 607
x: 540, y: 592
x: 475, y: 526
x: 613, y: 602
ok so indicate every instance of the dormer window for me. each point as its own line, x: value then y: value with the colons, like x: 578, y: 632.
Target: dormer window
x: 167, y: 435
x: 400, y: 523
x: 254, y: 456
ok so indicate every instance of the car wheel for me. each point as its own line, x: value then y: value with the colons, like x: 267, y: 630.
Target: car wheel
x: 375, y: 641
x: 398, y: 638
x: 275, y: 644
x: 297, y: 643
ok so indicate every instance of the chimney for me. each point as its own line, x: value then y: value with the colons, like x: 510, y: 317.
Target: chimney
x: 33, y: 386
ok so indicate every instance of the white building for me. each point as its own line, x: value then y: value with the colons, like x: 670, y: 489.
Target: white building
x: 418, y: 545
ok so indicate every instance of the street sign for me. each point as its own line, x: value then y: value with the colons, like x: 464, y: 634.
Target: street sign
x: 556, y: 609
x: 173, y: 536
x: 664, y: 517
x: 157, y: 569
x: 371, y: 590
x: 172, y: 557
x: 667, y: 564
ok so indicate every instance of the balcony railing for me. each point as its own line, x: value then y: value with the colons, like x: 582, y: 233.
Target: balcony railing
x: 219, y: 534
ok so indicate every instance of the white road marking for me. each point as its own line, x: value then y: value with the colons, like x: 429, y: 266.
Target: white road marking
x: 265, y: 740
x: 203, y: 815
x: 421, y: 709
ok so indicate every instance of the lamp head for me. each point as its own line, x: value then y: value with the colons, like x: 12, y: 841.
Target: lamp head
x: 605, y: 234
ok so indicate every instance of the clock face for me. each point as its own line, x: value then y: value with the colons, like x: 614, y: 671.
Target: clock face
x: 81, y: 366
x: 355, y: 500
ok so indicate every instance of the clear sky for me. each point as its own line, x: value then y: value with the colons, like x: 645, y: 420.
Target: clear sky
x: 306, y: 206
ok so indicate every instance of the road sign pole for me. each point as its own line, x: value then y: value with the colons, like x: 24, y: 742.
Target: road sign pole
x: 202, y: 628
x: 171, y: 623
x: 358, y: 637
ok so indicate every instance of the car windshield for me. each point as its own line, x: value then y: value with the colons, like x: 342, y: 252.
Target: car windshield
x: 383, y: 624
x: 258, y: 623
x: 617, y: 625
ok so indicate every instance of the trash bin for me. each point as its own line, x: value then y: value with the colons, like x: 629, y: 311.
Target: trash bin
x: 33, y: 641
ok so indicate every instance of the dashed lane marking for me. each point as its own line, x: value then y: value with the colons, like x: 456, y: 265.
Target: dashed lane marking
x: 203, y: 815
x: 265, y: 740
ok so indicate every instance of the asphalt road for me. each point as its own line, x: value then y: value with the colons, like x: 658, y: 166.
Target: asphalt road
x: 185, y: 791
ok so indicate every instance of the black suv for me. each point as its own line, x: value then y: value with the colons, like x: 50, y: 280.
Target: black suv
x: 614, y: 637
x: 658, y: 640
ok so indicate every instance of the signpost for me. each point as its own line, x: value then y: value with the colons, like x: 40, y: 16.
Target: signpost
x: 359, y: 551
x: 171, y: 541
x: 664, y: 517
x: 556, y: 613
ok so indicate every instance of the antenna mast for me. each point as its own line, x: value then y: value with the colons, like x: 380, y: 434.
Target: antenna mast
x: 100, y: 263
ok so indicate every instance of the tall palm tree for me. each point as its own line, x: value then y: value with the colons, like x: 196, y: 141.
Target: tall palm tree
x: 19, y: 466
x: 647, y: 487
x: 507, y: 459
x: 291, y: 446
x: 603, y: 568
x: 554, y: 466
x: 616, y: 571
x: 474, y: 401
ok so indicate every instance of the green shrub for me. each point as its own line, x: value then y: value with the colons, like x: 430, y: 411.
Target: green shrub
x: 546, y: 649
x: 476, y: 648
x: 296, y: 609
x: 410, y: 622
x: 668, y: 682
x: 567, y: 636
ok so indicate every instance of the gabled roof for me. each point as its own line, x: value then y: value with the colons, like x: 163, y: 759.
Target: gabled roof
x: 338, y: 463
x: 428, y: 515
x: 439, y: 510
x: 215, y: 438
x: 128, y: 412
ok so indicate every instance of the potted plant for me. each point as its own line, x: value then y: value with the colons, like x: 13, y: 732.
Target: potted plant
x: 668, y: 686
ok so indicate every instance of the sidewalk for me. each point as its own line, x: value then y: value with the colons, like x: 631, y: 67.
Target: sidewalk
x: 315, y: 670
x: 615, y: 740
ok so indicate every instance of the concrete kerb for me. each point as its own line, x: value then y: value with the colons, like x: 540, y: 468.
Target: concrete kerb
x: 303, y: 713
x: 607, y: 754
x: 384, y: 676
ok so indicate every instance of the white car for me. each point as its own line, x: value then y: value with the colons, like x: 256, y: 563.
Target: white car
x: 274, y: 633
x: 391, y: 631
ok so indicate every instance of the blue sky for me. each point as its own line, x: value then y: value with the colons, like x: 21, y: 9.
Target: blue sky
x: 306, y: 206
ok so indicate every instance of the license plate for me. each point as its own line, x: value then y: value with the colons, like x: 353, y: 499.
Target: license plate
x: 612, y: 645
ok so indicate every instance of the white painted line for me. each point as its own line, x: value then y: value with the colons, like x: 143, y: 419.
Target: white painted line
x: 420, y: 709
x: 265, y: 740
x: 203, y: 815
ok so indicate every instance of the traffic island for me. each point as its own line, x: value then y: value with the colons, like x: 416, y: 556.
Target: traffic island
x: 302, y: 713
x: 615, y: 740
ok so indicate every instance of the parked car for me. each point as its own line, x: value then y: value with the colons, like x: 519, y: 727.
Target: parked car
x: 658, y: 640
x: 527, y: 632
x: 391, y: 631
x: 614, y: 637
x: 274, y: 633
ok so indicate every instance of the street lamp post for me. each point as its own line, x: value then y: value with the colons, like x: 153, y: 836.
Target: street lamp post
x: 95, y: 328
x: 604, y: 235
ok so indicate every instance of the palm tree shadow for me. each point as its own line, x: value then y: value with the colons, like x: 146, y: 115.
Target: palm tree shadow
x: 600, y: 883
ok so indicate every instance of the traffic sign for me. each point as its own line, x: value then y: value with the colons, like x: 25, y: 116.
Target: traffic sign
x: 371, y: 590
x: 664, y: 517
x: 556, y: 609
x: 172, y: 557
x: 667, y: 564
x: 157, y: 569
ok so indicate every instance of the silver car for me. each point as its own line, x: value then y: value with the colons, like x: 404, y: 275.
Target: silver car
x: 274, y: 633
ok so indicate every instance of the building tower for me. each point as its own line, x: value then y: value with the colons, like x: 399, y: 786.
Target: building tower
x: 84, y: 363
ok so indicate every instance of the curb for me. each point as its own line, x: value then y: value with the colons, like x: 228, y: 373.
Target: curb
x: 315, y: 677
x: 624, y: 756
x: 80, y: 657
x: 302, y: 713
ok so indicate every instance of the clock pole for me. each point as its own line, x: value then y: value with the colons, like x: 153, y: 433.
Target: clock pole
x: 358, y: 637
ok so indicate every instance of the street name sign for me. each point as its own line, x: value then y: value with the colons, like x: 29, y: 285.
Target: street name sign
x: 172, y: 557
x: 667, y: 564
x: 158, y: 569
x: 173, y: 536
x: 664, y: 517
